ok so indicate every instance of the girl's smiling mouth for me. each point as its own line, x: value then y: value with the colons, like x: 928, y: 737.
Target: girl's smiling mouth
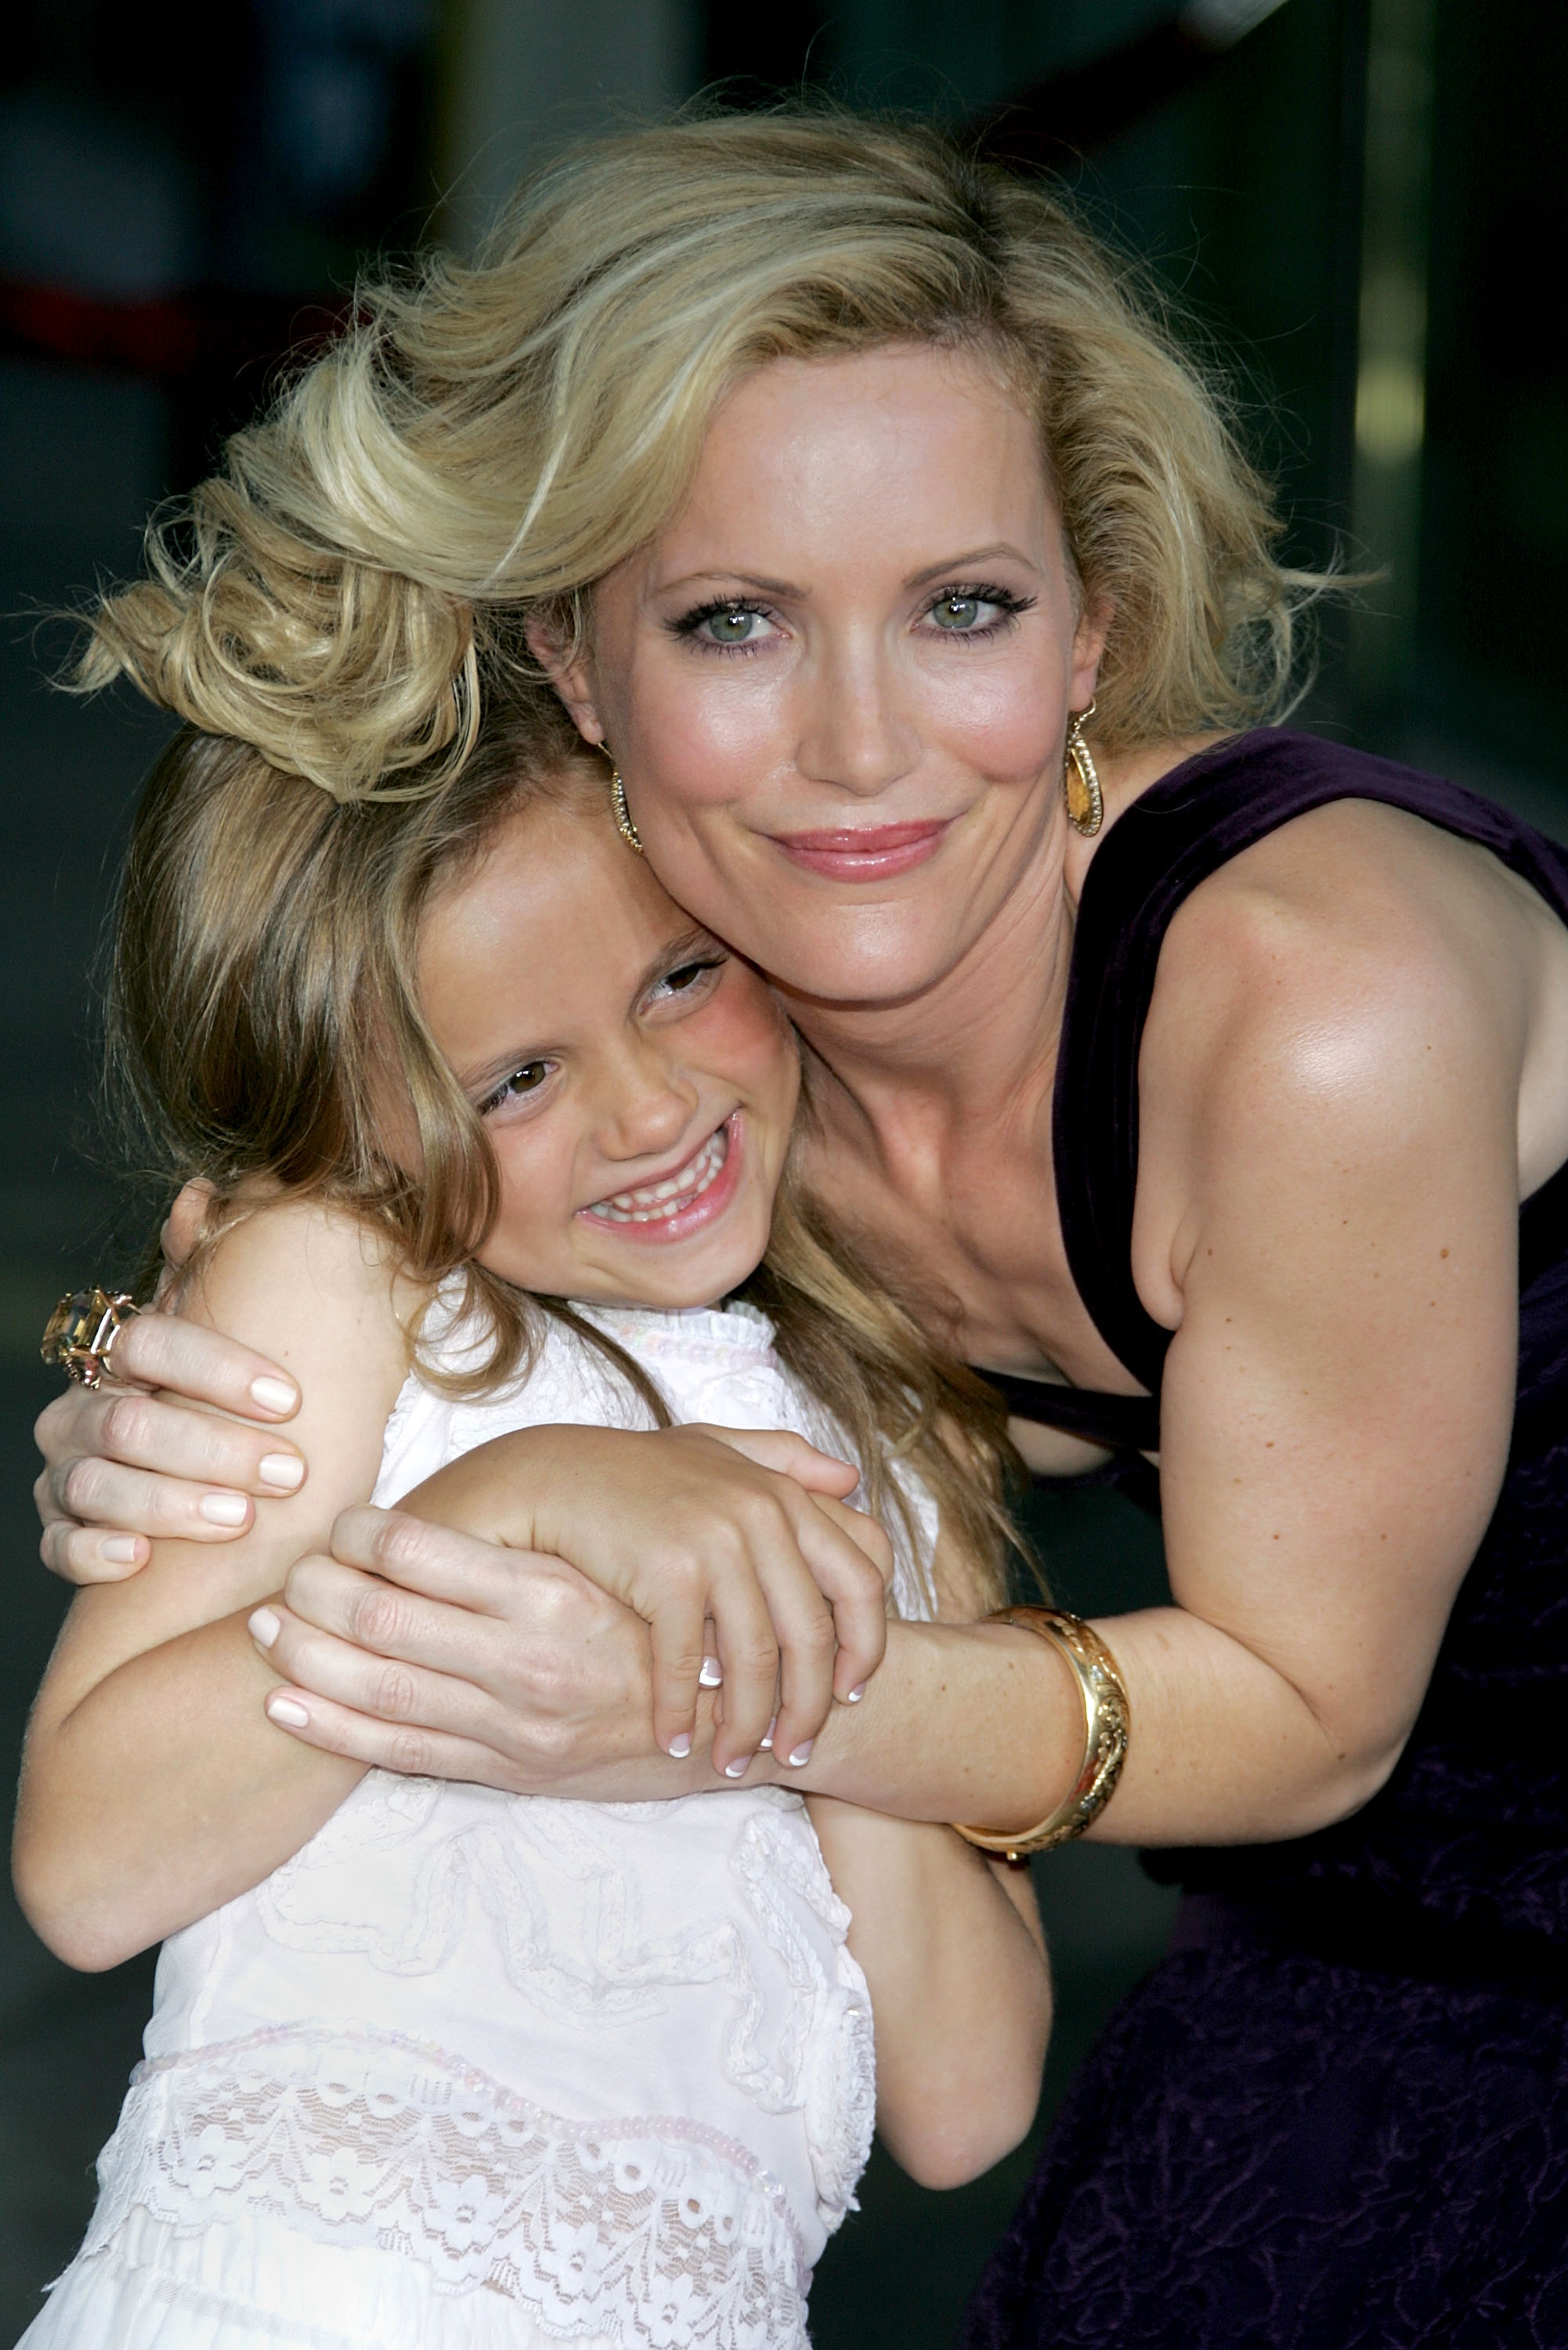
x: 680, y: 1203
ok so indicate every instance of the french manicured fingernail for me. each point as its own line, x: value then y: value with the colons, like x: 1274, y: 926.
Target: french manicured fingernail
x: 802, y: 1755
x: 737, y: 1769
x: 283, y: 1469
x: 855, y: 1694
x: 712, y: 1675
x: 265, y: 1626
x: 680, y: 1745
x: 224, y: 1509
x: 765, y: 1744
x: 119, y: 1550
x: 274, y: 1395
x: 286, y: 1713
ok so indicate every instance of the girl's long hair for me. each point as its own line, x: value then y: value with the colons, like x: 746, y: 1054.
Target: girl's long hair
x: 264, y: 1029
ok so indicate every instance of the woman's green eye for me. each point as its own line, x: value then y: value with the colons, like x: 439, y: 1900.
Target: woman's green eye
x: 732, y: 628
x: 957, y: 612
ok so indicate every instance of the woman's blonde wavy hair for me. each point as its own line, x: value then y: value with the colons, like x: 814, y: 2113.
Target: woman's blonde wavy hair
x: 265, y: 1018
x: 488, y: 440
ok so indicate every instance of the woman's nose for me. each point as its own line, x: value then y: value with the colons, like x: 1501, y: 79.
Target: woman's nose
x: 854, y: 731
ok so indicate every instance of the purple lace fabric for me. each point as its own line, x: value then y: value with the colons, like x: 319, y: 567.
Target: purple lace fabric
x: 1339, y: 2114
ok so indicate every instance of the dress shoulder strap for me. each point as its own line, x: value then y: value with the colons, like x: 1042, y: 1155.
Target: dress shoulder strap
x: 1186, y: 826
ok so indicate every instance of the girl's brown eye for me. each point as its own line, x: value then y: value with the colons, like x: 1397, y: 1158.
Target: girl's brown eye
x: 684, y: 978
x: 524, y: 1080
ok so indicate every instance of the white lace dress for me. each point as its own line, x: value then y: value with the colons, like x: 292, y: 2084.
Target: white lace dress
x: 497, y: 2071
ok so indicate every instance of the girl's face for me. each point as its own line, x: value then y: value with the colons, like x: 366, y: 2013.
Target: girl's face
x: 637, y: 1081
x: 837, y: 684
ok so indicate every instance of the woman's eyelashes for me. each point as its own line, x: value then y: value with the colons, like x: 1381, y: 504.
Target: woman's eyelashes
x: 726, y: 624
x: 977, y: 609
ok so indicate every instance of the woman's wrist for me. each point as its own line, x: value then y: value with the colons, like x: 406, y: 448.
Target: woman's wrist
x: 961, y: 1722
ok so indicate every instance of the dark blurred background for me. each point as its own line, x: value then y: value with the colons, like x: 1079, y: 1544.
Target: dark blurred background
x: 1362, y: 206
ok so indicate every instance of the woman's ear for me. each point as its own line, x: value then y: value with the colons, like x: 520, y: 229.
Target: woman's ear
x: 1088, y: 647
x: 570, y: 671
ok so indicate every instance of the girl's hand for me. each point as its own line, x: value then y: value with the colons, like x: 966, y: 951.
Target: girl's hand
x: 745, y: 1532
x: 123, y: 1465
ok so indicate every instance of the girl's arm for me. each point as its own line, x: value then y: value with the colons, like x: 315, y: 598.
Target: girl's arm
x: 153, y: 1786
x: 955, y: 1957
x: 952, y: 1946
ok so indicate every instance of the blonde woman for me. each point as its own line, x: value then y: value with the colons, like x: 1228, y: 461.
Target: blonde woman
x: 1205, y: 1084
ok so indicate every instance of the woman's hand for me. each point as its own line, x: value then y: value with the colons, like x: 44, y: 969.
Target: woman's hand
x: 744, y: 1532
x: 125, y: 1466
x: 736, y: 1546
x: 427, y: 1651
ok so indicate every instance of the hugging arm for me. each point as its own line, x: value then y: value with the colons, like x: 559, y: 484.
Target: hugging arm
x: 1330, y: 1168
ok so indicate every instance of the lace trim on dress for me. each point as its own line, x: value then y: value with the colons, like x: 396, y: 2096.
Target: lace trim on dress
x: 657, y: 2226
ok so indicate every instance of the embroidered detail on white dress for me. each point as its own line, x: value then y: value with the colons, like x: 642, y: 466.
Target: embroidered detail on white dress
x: 657, y: 2226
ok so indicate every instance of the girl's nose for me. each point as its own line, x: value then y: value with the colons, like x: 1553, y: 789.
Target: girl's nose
x: 649, y: 1107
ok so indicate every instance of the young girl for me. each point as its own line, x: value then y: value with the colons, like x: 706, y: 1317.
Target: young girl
x: 428, y: 2061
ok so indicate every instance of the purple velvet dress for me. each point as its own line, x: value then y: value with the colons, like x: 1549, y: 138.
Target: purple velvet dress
x: 1335, y: 2115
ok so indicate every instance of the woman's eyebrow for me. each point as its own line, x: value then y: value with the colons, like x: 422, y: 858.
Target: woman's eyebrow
x: 950, y: 564
x: 723, y: 580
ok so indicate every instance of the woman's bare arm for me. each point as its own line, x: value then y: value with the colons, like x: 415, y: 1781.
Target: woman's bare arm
x: 1327, y: 1216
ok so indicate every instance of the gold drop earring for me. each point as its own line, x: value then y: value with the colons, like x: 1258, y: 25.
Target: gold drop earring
x: 619, y: 808
x: 1080, y: 782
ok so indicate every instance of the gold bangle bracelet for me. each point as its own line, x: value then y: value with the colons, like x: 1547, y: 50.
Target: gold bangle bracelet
x: 1107, y: 1724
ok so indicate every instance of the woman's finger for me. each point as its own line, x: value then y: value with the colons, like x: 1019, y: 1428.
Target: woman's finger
x: 416, y: 1754
x: 386, y: 1690
x: 83, y: 1555
x: 386, y: 1623
x: 678, y: 1638
x: 435, y: 1560
x: 801, y: 1623
x: 107, y: 1498
x: 851, y: 1560
x: 787, y: 1454
x: 159, y: 1350
x: 748, y: 1656
x: 137, y: 1431
x: 186, y: 1221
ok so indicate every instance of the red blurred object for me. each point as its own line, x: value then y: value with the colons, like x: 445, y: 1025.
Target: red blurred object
x: 206, y: 333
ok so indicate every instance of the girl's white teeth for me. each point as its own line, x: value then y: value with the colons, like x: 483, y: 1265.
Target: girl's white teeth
x: 655, y: 1202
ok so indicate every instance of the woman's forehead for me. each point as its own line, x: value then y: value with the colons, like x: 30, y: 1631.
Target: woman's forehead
x: 909, y: 438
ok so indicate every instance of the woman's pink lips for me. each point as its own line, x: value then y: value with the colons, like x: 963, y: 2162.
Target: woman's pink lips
x: 863, y: 852
x: 705, y: 1210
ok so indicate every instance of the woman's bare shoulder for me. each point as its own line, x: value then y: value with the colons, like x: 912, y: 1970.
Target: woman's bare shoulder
x: 1361, y: 916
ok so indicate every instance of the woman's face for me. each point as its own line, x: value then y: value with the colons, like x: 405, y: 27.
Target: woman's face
x: 837, y: 684
x: 637, y: 1082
